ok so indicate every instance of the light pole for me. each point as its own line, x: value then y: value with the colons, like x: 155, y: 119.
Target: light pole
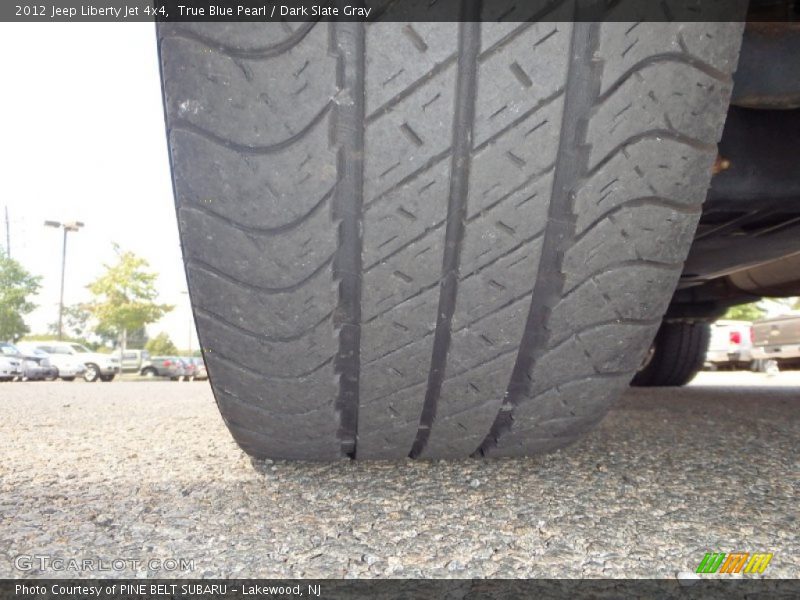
x: 67, y: 227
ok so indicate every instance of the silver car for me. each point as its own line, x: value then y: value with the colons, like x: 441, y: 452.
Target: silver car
x: 36, y: 365
x: 34, y: 368
x: 10, y: 362
x: 97, y: 366
x: 67, y: 366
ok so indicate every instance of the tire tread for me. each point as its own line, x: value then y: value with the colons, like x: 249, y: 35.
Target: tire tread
x: 463, y: 253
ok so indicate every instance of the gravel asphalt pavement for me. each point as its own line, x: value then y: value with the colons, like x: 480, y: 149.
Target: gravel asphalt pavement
x: 146, y: 470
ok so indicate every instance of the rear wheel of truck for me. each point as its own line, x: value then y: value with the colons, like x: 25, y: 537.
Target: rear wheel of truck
x: 676, y: 355
x: 435, y: 240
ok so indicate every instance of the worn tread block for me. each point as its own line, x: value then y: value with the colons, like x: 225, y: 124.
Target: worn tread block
x: 273, y: 192
x: 649, y: 144
x: 248, y: 102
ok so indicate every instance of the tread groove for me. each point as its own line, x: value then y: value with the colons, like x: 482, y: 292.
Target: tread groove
x: 596, y: 325
x: 257, y: 336
x: 266, y: 376
x: 286, y: 227
x: 624, y: 264
x: 437, y: 158
x: 447, y: 62
x: 642, y: 201
x: 508, y: 38
x: 472, y: 273
x: 408, y: 91
x: 349, y: 47
x: 664, y: 57
x: 651, y: 134
x: 520, y: 119
x: 187, y: 126
x: 206, y: 267
x: 472, y: 323
x: 582, y: 87
x: 469, y: 41
x: 255, y: 53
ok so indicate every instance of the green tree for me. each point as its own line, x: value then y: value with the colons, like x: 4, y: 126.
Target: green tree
x: 745, y: 312
x: 16, y: 286
x: 792, y: 303
x: 161, y: 345
x: 125, y: 297
x: 137, y: 339
x: 75, y: 322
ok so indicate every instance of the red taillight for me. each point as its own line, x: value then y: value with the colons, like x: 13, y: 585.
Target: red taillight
x: 735, y: 337
x: 752, y: 336
x: 167, y: 363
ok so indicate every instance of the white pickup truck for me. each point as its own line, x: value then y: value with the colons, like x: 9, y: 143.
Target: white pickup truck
x: 731, y: 344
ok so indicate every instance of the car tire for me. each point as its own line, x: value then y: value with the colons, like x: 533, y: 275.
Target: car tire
x: 107, y: 378
x: 676, y: 355
x: 435, y: 240
x: 92, y: 373
x: 71, y: 378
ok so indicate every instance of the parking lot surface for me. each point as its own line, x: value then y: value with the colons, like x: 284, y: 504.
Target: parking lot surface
x: 146, y: 470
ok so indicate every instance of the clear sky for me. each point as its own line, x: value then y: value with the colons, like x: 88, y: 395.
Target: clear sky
x: 82, y: 138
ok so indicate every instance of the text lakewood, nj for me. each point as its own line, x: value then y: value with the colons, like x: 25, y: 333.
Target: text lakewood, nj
x: 273, y: 11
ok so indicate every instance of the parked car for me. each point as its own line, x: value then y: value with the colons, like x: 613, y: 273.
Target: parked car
x: 778, y: 339
x: 67, y: 366
x: 731, y: 344
x: 29, y: 368
x: 200, y: 372
x: 163, y: 366
x: 49, y: 371
x: 133, y: 361
x: 35, y: 366
x: 32, y: 370
x: 186, y: 369
x: 189, y: 368
x: 10, y: 362
x: 97, y: 366
x: 14, y: 356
